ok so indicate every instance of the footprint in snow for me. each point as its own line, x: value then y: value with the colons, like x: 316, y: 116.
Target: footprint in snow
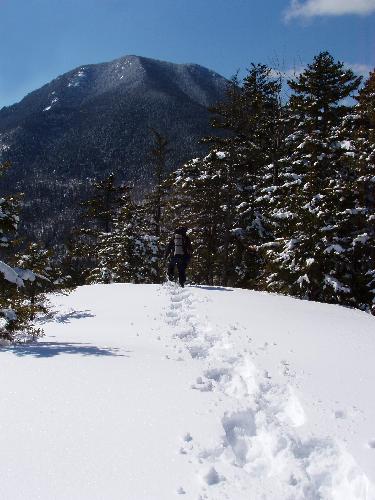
x: 203, y: 385
x: 188, y: 437
x: 341, y: 414
x: 212, y: 477
x: 371, y: 444
x: 187, y: 444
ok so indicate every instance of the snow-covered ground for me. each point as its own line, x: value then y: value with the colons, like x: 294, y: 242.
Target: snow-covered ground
x: 143, y: 392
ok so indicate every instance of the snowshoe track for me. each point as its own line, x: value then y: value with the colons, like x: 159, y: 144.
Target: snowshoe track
x: 261, y: 452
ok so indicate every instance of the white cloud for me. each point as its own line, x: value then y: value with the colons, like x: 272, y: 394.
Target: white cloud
x: 360, y: 69
x: 311, y: 8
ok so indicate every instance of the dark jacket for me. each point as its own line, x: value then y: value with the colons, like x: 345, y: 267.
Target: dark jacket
x: 186, y: 245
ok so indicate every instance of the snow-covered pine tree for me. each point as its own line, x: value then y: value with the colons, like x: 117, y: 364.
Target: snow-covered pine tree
x: 106, y: 198
x: 262, y: 149
x: 126, y: 254
x: 193, y: 200
x: 97, y: 220
x: 9, y: 279
x: 151, y: 211
x: 158, y: 155
x: 46, y: 278
x: 251, y: 118
x: 15, y: 313
x: 8, y: 215
x: 306, y: 258
x: 358, y: 159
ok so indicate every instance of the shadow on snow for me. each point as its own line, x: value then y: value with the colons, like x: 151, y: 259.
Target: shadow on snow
x: 216, y: 288
x: 66, y: 317
x: 51, y: 349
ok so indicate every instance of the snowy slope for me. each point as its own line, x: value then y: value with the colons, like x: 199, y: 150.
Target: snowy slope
x: 143, y: 392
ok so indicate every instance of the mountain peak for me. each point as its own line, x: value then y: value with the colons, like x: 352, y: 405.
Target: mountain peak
x: 96, y: 118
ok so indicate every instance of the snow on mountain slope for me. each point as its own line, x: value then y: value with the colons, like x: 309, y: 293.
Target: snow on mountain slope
x: 145, y: 392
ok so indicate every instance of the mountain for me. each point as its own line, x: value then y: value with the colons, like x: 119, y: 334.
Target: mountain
x: 199, y: 392
x: 96, y: 119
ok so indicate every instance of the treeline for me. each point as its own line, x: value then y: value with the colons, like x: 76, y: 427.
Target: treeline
x: 283, y: 201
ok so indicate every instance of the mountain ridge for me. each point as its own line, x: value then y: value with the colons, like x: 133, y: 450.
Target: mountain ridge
x: 97, y: 118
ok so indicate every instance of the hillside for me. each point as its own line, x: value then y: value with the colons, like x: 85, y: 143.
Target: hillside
x: 150, y: 392
x: 95, y: 119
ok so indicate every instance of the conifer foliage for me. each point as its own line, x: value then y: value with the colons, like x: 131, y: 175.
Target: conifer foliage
x: 308, y: 259
x: 126, y: 253
x: 359, y: 159
x: 115, y: 243
x: 16, y: 312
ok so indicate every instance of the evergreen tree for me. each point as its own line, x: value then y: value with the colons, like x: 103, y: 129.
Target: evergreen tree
x: 106, y: 198
x: 8, y: 215
x: 15, y: 313
x: 151, y: 211
x: 223, y: 193
x: 358, y: 217
x: 97, y: 218
x: 158, y: 155
x: 194, y: 201
x: 306, y: 258
x: 45, y: 277
x: 125, y: 254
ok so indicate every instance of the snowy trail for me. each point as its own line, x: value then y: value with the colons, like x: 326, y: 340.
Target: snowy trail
x: 145, y: 392
x: 260, y: 451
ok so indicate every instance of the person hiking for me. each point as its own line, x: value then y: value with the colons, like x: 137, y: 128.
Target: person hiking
x: 179, y: 250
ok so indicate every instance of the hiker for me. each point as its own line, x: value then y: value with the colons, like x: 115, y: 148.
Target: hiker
x: 179, y: 249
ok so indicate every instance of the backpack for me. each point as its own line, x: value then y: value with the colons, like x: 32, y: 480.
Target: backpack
x: 179, y: 244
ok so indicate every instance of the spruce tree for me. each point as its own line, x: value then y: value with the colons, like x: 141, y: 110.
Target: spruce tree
x: 16, y: 314
x: 45, y: 277
x: 306, y: 258
x: 151, y: 211
x: 358, y: 160
x: 193, y: 194
x: 158, y: 156
x: 8, y: 215
x: 98, y: 213
x: 127, y: 253
x: 238, y: 166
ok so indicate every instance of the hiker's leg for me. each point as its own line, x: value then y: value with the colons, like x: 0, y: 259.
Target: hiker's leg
x: 181, y: 264
x: 171, y: 266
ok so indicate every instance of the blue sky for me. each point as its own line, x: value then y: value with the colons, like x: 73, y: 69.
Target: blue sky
x: 41, y: 39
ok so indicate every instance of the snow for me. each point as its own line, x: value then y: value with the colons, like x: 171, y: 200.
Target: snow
x: 335, y: 284
x: 302, y: 279
x: 361, y: 238
x: 10, y: 274
x: 221, y: 155
x: 282, y: 214
x: 149, y: 392
x: 54, y: 101
x: 76, y: 79
x: 345, y: 145
x: 15, y: 274
x: 26, y: 274
x: 335, y: 248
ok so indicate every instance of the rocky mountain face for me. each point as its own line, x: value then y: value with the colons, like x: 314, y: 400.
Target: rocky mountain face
x: 96, y: 119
